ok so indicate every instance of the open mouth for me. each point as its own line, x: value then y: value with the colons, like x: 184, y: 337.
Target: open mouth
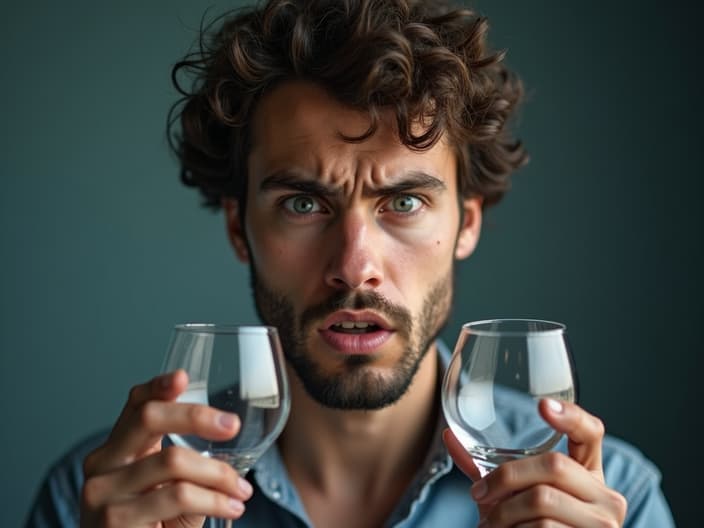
x: 355, y: 327
x: 353, y: 332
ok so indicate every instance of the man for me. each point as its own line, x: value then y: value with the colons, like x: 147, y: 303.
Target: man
x: 353, y: 146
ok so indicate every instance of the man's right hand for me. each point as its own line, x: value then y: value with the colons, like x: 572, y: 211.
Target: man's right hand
x: 131, y: 481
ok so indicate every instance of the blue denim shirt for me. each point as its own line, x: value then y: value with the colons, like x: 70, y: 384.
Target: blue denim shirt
x: 438, y: 495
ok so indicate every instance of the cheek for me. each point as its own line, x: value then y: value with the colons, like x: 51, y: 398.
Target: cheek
x: 431, y: 243
x: 282, y: 260
x: 273, y: 253
x: 415, y: 267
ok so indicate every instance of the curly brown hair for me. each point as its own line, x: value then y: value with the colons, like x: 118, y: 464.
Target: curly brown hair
x: 423, y: 59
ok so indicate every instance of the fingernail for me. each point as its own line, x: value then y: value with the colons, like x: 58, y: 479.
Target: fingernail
x: 226, y: 421
x: 479, y: 489
x: 236, y: 506
x: 245, y: 487
x: 555, y: 406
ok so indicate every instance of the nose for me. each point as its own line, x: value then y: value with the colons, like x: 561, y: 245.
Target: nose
x: 355, y: 254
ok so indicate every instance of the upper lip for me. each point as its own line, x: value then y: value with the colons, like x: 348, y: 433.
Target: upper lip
x: 357, y: 317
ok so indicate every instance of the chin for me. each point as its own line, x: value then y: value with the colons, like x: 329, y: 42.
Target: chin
x: 356, y: 382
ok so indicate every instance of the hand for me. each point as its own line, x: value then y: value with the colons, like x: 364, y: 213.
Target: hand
x: 131, y: 481
x: 551, y: 489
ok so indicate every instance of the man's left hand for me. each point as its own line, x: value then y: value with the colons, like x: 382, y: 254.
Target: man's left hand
x: 551, y: 489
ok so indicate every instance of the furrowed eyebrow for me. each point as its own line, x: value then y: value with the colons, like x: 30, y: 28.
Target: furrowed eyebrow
x: 414, y: 180
x: 291, y: 181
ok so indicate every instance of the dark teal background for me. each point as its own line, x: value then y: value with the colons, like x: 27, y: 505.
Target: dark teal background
x: 103, y: 250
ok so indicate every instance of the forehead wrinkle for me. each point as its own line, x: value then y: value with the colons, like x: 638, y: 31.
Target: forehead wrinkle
x: 336, y: 175
x: 373, y: 179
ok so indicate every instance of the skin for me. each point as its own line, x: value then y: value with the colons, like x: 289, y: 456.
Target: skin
x: 358, y: 236
x: 360, y: 243
x: 551, y: 489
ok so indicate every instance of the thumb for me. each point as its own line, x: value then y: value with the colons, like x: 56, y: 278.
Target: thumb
x: 584, y: 431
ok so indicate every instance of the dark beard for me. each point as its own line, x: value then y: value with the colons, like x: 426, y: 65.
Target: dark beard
x: 355, y: 386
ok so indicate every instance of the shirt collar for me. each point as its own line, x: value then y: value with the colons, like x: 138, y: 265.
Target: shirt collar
x: 271, y: 476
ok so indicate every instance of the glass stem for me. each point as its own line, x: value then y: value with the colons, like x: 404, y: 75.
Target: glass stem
x: 219, y: 523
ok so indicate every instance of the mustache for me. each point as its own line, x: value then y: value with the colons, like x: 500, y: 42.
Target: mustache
x: 365, y: 300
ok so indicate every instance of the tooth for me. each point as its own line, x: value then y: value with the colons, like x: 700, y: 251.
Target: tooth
x: 348, y: 325
x: 361, y: 325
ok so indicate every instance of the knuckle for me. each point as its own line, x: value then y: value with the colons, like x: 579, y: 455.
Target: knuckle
x: 181, y: 494
x: 542, y: 498
x: 619, y: 504
x: 555, y: 463
x: 598, y: 426
x: 91, y: 493
x: 147, y: 415
x: 173, y: 459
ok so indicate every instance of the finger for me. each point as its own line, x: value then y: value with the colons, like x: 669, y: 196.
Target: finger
x: 554, y: 469
x: 460, y: 456
x: 171, y: 464
x: 163, y: 387
x: 585, y: 432
x: 169, y: 502
x: 157, y: 418
x: 540, y: 503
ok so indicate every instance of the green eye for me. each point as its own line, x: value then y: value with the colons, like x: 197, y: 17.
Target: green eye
x: 405, y: 203
x: 301, y: 205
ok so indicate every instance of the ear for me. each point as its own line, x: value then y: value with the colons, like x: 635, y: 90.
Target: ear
x: 235, y: 229
x: 470, y: 229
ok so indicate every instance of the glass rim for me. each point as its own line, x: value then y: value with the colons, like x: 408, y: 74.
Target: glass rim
x: 224, y: 328
x: 551, y: 328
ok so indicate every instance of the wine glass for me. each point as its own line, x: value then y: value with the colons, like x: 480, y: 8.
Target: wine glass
x: 498, y: 371
x: 238, y: 369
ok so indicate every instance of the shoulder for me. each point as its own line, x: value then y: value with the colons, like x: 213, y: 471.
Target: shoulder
x: 69, y: 468
x: 79, y: 450
x: 628, y: 471
x: 57, y: 502
x: 623, y: 462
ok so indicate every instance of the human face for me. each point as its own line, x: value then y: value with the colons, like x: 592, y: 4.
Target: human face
x: 351, y: 244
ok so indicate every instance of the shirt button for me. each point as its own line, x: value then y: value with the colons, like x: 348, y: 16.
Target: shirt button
x: 275, y: 489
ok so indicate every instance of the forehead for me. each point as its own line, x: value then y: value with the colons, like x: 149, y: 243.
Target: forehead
x: 299, y: 125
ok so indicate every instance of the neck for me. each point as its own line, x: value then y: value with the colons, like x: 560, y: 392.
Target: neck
x: 373, y: 451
